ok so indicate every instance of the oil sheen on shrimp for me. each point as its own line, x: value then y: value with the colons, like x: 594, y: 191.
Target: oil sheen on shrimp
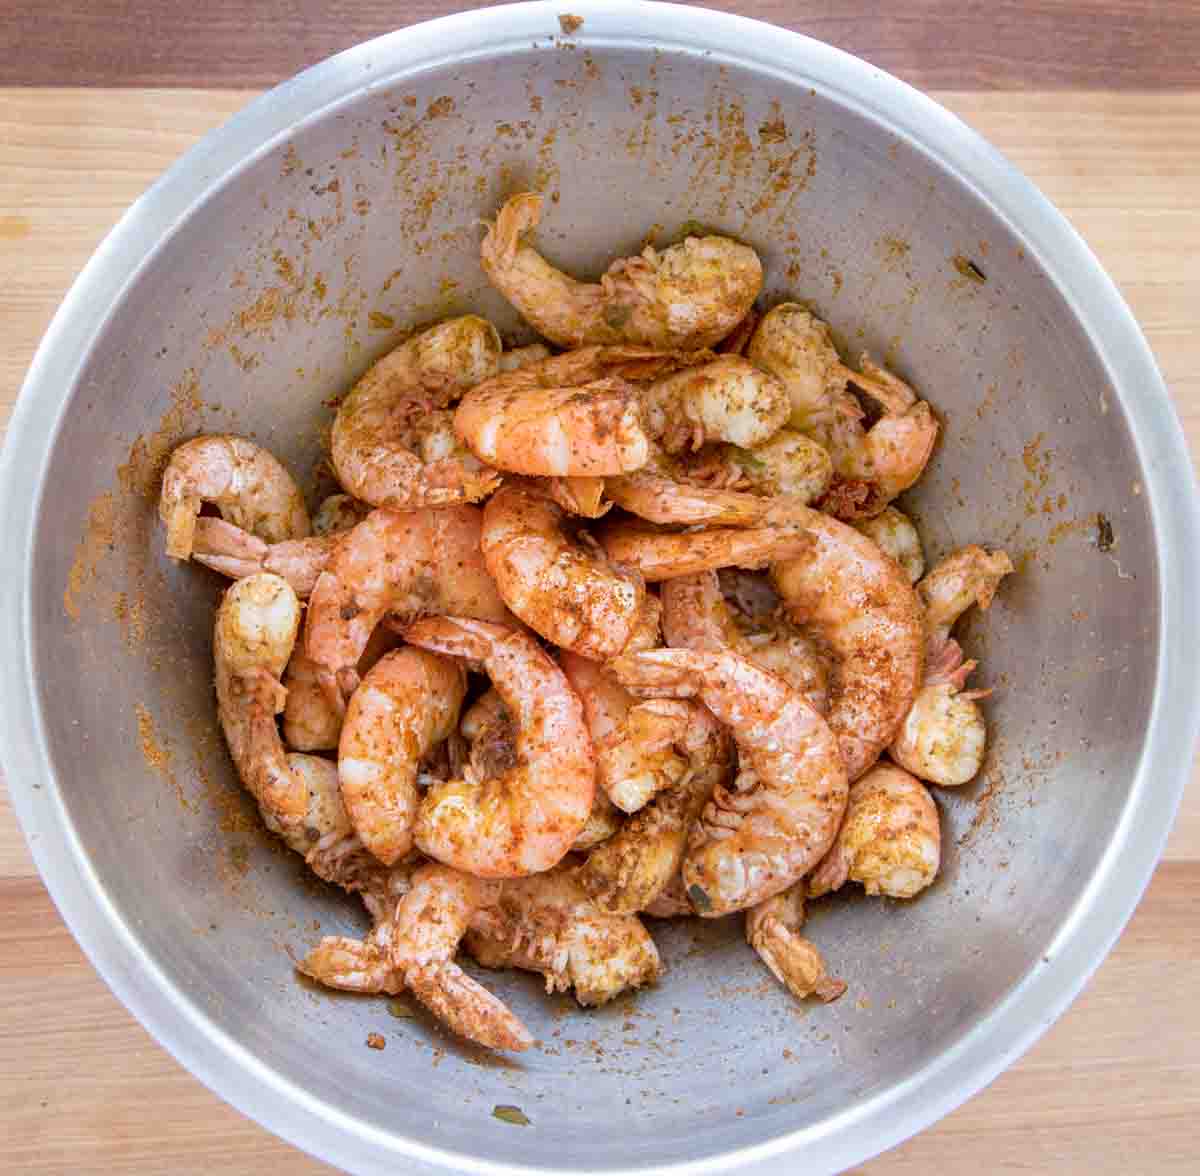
x: 689, y: 295
x: 890, y: 841
x: 571, y: 594
x: 249, y: 486
x: 783, y: 810
x: 526, y: 819
x: 407, y: 703
x: 377, y: 427
x: 408, y: 563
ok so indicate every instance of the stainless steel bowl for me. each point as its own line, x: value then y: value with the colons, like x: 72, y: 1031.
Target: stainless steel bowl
x: 287, y: 250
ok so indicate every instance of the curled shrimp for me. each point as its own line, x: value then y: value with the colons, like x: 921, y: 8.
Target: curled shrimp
x: 689, y: 295
x: 547, y: 923
x: 255, y: 630
x: 797, y: 348
x: 237, y: 553
x: 890, y: 840
x: 414, y: 948
x: 339, y: 512
x: 406, y: 704
x: 859, y: 603
x: 527, y: 818
x: 633, y: 867
x: 782, y: 812
x: 893, y: 532
x: 773, y: 930
x: 662, y: 554
x: 727, y: 400
x: 943, y: 738
x: 790, y: 463
x: 572, y: 595
x: 249, y: 486
x: 378, y: 425
x: 410, y: 563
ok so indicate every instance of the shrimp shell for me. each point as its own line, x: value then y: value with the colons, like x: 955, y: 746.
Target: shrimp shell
x: 773, y: 930
x: 236, y: 553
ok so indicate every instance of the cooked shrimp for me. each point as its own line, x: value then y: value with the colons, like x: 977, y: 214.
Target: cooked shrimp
x: 663, y: 554
x: 659, y: 496
x: 339, y: 512
x: 408, y: 702
x: 547, y: 923
x: 943, y: 738
x: 728, y: 400
x: 780, y: 816
x: 236, y: 553
x: 891, y: 838
x: 672, y: 901
x: 689, y: 295
x: 773, y: 930
x: 572, y: 595
x: 696, y: 616
x: 736, y: 342
x: 604, y: 822
x: 519, y: 357
x: 628, y: 871
x: 255, y: 630
x: 893, y: 533
x: 242, y: 480
x: 526, y: 819
x: 415, y: 949
x: 859, y: 603
x: 797, y: 348
x: 579, y: 496
x: 410, y: 563
x: 790, y: 463
x: 377, y: 426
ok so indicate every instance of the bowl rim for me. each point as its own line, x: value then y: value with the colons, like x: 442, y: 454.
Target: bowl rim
x: 1106, y: 902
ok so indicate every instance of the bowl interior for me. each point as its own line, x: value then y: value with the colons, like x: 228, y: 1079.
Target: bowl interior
x: 291, y: 276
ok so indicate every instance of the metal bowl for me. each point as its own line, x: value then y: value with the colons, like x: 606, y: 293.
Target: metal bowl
x: 289, y: 248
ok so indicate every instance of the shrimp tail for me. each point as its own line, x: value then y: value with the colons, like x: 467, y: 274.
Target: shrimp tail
x: 794, y: 961
x: 351, y: 965
x: 465, y: 1006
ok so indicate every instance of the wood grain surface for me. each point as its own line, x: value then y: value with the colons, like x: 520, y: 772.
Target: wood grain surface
x: 1114, y: 1087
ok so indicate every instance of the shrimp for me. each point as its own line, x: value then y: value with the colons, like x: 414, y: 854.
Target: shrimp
x: 339, y: 512
x: 414, y: 949
x: 237, y: 553
x: 943, y: 738
x: 375, y: 430
x: 527, y: 818
x: 410, y: 563
x: 255, y: 630
x: 728, y: 400
x: 859, y: 603
x: 242, y: 480
x: 696, y: 616
x: 672, y: 901
x: 579, y: 496
x: 660, y: 497
x: 547, y: 923
x: 571, y: 595
x: 519, y: 357
x: 628, y: 871
x: 890, y: 841
x: 689, y: 295
x: 661, y: 554
x: 893, y: 533
x: 783, y: 810
x: 874, y: 465
x: 790, y: 464
x: 407, y: 702
x: 773, y: 930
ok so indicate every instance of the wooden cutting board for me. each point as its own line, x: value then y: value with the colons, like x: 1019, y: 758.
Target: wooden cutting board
x: 1097, y: 101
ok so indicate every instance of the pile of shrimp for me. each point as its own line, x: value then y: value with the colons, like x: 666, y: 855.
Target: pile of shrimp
x: 621, y: 624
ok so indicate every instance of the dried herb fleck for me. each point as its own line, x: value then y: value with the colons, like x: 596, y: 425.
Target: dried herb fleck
x: 969, y: 269
x: 401, y: 1009
x: 513, y: 1115
x: 700, y: 899
x: 1104, y: 533
x: 380, y: 321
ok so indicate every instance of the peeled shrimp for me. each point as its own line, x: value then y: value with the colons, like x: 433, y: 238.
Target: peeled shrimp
x: 527, y: 818
x: 237, y: 553
x: 782, y: 812
x: 790, y: 463
x: 415, y: 949
x: 547, y: 923
x: 339, y: 512
x: 797, y: 348
x: 377, y: 426
x: 242, y: 480
x: 519, y: 357
x: 773, y: 930
x: 661, y: 554
x: 943, y: 738
x: 408, y: 702
x: 572, y: 595
x: 728, y: 400
x: 893, y: 532
x: 255, y: 630
x: 689, y: 295
x: 632, y: 868
x: 860, y: 604
x: 410, y: 563
x: 890, y: 840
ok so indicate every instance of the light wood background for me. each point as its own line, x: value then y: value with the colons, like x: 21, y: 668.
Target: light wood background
x: 1114, y: 1087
